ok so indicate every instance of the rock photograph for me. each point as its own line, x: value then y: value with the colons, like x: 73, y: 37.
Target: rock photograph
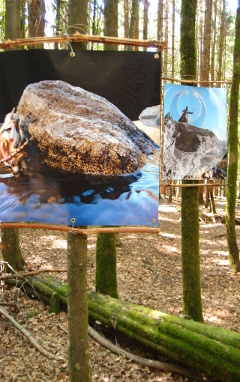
x: 194, y: 130
x: 67, y: 154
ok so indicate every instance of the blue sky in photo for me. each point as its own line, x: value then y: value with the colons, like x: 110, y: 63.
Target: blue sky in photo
x: 209, y: 106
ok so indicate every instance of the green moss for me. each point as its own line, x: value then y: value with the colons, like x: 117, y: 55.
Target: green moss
x: 232, y: 170
x: 192, y: 303
x: 31, y: 314
x: 54, y: 306
x: 106, y: 265
x: 188, y: 62
x: 63, y: 289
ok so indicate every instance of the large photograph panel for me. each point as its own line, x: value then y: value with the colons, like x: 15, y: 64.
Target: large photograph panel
x: 194, y: 130
x: 69, y: 154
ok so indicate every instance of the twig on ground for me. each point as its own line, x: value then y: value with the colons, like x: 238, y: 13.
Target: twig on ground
x: 164, y: 366
x: 33, y: 342
x: 8, y: 304
x: 22, y: 275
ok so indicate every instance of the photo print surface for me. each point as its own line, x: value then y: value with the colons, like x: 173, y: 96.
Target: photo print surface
x: 71, y: 150
x: 195, y: 127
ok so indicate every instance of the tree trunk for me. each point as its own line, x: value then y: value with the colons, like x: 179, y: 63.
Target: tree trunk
x: 57, y: 21
x: 136, y: 32
x: 36, y: 25
x: 165, y: 51
x: 188, y: 62
x: 173, y: 36
x: 160, y: 20
x: 126, y: 20
x: 207, y: 349
x: 213, y: 49
x: 206, y: 43
x: 231, y: 192
x: 10, y: 237
x: 111, y: 22
x: 106, y: 265
x: 200, y: 194
x: 192, y: 304
x: 221, y: 41
x: 133, y: 21
x: 78, y: 351
x: 78, y: 20
x: 207, y: 195
x: 12, y: 19
x: 11, y: 251
x: 22, y: 19
x: 145, y: 20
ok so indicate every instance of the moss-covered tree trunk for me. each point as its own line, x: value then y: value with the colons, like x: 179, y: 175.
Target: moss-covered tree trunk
x: 106, y: 265
x: 231, y: 192
x: 111, y: 22
x: 188, y: 59
x: 192, y: 305
x: 11, y: 251
x: 78, y: 351
x: 12, y: 20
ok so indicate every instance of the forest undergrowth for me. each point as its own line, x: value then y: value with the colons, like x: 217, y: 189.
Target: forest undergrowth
x: 149, y: 273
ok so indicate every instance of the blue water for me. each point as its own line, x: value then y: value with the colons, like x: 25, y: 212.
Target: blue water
x: 56, y: 199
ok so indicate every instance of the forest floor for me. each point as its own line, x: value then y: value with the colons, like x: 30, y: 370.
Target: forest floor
x: 149, y: 273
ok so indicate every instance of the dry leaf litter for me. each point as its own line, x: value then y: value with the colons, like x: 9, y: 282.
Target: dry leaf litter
x: 149, y: 273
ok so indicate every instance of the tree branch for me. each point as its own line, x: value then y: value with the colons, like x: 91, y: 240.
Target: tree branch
x: 33, y: 342
x: 22, y: 275
x: 164, y: 366
x: 77, y: 37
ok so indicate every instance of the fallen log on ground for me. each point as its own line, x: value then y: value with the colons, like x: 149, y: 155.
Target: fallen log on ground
x: 204, y: 348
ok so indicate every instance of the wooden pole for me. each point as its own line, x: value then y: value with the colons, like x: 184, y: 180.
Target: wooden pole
x: 83, y: 231
x: 78, y: 350
x: 77, y: 37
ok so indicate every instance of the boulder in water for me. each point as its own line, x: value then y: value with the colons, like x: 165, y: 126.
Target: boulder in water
x: 79, y: 132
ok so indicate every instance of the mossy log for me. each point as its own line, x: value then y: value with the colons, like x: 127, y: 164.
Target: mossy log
x: 204, y: 348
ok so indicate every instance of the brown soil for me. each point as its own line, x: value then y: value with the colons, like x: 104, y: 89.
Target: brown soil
x: 149, y: 273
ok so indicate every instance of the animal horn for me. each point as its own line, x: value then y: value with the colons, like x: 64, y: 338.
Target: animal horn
x: 13, y: 110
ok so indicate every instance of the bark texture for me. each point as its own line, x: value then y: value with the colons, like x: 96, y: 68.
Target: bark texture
x: 12, y: 20
x: 188, y: 63
x: 231, y: 192
x: 111, y: 22
x: 78, y: 20
x: 11, y: 251
x: 106, y: 265
x: 192, y: 304
x: 78, y: 351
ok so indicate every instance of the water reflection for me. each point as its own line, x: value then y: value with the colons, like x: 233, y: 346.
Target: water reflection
x: 52, y: 198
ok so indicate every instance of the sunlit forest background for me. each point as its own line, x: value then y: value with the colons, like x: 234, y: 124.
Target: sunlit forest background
x: 140, y: 19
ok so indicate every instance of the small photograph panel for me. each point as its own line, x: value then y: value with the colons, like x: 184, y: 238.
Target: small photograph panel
x: 195, y: 130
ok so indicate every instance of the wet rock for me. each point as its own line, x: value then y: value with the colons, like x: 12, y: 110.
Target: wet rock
x: 81, y: 132
x: 190, y: 151
x: 151, y: 116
